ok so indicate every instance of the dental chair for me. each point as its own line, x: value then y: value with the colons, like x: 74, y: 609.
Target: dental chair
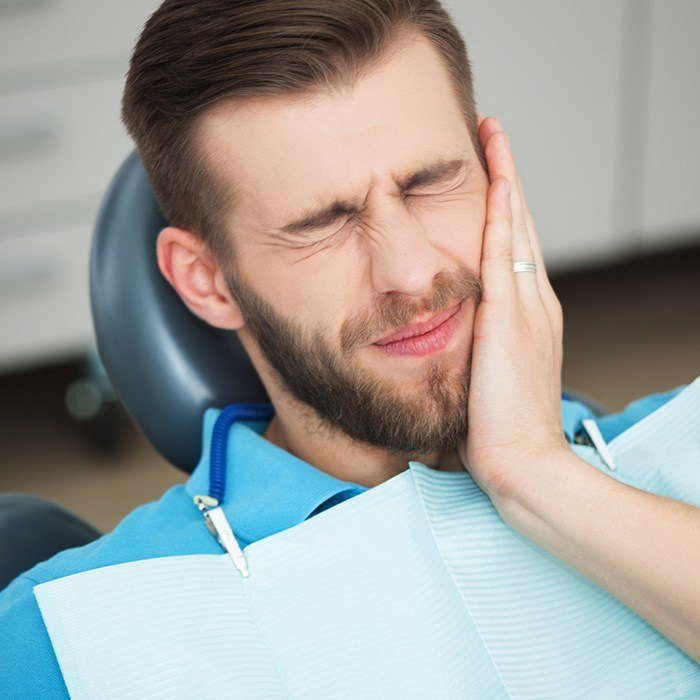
x: 166, y: 365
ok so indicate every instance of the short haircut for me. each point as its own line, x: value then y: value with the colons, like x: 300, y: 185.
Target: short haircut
x: 192, y: 54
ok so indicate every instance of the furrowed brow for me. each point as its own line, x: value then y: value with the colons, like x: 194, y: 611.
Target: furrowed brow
x: 321, y: 218
x: 438, y: 172
x: 318, y: 218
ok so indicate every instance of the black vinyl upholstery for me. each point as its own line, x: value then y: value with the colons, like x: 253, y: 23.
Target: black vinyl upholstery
x: 166, y: 365
x: 33, y: 529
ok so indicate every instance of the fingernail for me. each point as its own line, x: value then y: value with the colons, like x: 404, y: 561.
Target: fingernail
x: 498, y: 123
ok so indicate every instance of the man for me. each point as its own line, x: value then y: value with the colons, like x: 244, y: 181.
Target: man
x: 334, y: 198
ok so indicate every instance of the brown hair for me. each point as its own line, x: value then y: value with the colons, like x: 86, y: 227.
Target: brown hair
x: 194, y: 53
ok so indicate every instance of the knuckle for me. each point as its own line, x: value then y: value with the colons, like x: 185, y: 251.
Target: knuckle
x: 522, y: 230
x: 504, y: 255
x: 497, y: 256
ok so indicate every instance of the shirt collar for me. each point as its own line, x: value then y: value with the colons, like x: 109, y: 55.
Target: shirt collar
x: 268, y: 489
x: 572, y: 414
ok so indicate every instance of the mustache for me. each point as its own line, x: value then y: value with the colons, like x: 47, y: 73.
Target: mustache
x: 395, y: 312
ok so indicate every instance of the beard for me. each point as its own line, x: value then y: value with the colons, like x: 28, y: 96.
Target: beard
x: 416, y: 418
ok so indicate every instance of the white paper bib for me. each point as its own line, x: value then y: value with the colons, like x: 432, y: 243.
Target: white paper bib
x: 415, y: 589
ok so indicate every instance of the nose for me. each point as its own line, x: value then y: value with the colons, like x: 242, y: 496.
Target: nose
x: 402, y: 258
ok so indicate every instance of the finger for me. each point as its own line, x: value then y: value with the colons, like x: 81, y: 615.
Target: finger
x: 496, y: 254
x: 501, y: 165
x: 526, y: 281
x: 549, y: 297
x: 489, y: 127
x: 505, y: 165
x: 484, y: 129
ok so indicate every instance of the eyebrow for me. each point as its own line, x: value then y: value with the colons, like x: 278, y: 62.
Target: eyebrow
x: 440, y: 171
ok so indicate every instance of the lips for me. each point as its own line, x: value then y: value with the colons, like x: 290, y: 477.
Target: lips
x: 419, y: 328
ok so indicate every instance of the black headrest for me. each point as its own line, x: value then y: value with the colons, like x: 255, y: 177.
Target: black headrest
x: 166, y: 364
x: 34, y: 529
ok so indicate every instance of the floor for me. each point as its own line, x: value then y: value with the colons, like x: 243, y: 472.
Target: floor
x: 630, y: 330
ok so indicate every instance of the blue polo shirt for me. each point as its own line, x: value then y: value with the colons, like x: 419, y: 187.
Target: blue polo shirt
x: 269, y: 490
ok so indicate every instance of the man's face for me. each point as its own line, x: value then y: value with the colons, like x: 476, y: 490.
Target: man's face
x: 316, y: 300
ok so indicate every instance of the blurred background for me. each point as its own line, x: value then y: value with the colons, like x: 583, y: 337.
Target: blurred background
x: 601, y: 100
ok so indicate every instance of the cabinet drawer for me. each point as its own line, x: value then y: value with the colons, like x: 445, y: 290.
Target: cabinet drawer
x: 44, y: 295
x: 41, y: 31
x: 61, y: 142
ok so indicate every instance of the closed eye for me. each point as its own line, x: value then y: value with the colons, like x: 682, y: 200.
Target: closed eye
x: 434, y: 194
x: 423, y: 194
x: 339, y: 226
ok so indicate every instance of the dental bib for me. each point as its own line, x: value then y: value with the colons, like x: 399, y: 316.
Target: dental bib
x: 415, y: 588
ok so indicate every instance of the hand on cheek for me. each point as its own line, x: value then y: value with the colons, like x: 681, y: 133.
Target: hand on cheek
x: 514, y: 405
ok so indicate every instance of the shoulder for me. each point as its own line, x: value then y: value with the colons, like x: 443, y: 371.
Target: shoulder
x: 28, y: 666
x: 157, y: 528
x: 574, y: 411
x: 612, y: 424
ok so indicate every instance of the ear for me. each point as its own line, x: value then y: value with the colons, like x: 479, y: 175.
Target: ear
x: 192, y: 270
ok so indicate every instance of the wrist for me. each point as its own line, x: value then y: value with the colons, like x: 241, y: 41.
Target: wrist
x: 547, y: 492
x: 521, y: 474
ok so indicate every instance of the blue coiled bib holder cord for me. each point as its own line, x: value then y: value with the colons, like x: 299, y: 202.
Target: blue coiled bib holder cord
x: 210, y: 505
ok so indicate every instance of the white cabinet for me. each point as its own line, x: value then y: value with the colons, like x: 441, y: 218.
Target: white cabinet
x: 41, y: 32
x: 59, y: 143
x: 550, y: 71
x: 670, y: 198
x: 62, y: 69
x: 44, y: 299
x: 601, y: 100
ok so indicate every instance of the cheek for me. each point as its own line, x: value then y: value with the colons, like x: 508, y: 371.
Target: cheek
x: 458, y: 231
x: 474, y: 218
x: 314, y: 287
x: 320, y: 295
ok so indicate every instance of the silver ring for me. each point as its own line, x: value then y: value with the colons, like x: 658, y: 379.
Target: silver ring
x: 524, y: 267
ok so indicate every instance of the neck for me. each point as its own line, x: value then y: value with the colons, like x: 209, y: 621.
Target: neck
x: 325, y: 447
